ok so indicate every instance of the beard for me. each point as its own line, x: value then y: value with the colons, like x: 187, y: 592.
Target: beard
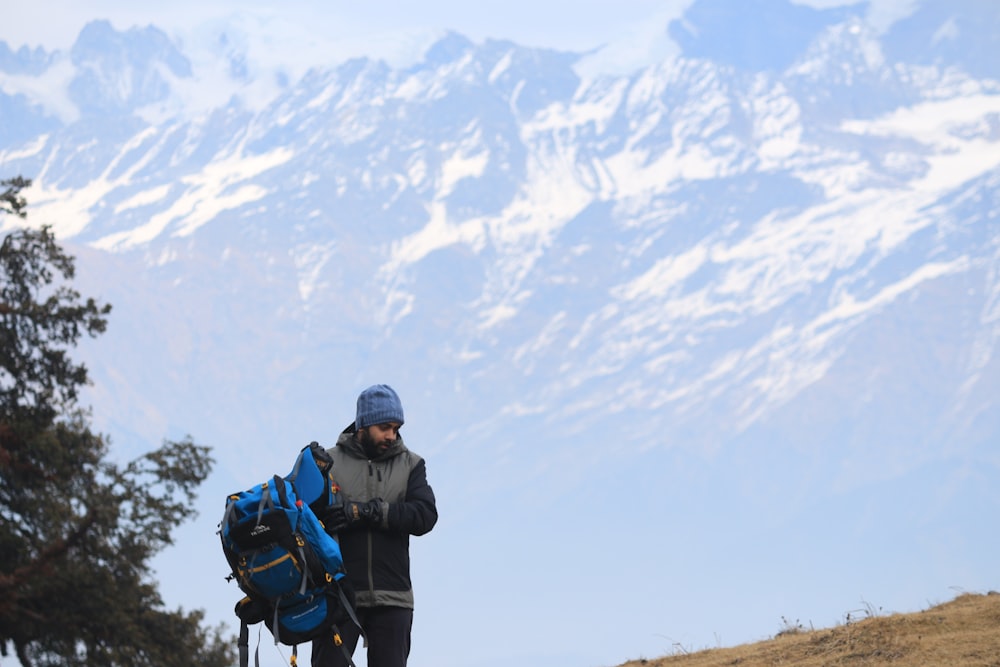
x: 368, y: 444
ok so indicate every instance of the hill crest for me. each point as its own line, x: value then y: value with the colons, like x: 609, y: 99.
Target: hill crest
x: 959, y: 633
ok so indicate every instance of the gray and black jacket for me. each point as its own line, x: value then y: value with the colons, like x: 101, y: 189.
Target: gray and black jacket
x: 377, y: 559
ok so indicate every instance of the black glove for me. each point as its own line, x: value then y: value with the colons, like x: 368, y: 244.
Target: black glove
x: 369, y: 513
x: 346, y: 515
x: 333, y: 517
x: 320, y: 456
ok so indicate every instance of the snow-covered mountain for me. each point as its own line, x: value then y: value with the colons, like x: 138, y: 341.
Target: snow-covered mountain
x: 750, y: 286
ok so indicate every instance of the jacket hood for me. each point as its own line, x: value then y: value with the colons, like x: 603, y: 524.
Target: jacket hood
x: 347, y: 441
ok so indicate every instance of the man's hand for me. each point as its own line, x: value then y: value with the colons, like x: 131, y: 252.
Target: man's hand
x: 369, y: 513
x: 346, y: 515
x: 333, y: 517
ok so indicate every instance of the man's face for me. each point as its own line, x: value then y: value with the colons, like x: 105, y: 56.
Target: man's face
x: 380, y: 436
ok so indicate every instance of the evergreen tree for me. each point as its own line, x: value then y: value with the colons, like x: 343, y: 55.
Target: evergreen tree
x: 77, y: 531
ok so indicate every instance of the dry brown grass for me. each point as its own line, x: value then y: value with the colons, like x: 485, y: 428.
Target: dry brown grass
x: 962, y: 633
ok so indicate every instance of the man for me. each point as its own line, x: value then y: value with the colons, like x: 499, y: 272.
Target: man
x: 387, y: 499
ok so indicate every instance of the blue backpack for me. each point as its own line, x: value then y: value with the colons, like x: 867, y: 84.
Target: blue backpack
x: 285, y: 563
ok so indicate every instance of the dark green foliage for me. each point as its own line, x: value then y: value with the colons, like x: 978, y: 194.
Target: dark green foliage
x: 11, y: 200
x: 77, y: 531
x: 38, y: 323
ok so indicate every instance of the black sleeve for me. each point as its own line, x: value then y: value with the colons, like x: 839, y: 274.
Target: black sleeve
x: 417, y: 514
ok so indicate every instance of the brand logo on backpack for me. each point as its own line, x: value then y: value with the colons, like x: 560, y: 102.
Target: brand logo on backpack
x: 259, y: 530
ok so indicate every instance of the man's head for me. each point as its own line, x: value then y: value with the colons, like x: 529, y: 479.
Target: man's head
x: 379, y: 416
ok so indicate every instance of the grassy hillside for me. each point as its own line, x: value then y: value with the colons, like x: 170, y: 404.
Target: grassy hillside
x: 962, y: 633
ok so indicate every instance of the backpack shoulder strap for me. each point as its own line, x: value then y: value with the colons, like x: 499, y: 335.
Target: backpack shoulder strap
x: 279, y: 486
x: 244, y: 644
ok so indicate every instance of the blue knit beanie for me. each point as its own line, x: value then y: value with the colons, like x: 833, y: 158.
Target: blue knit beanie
x: 378, y: 404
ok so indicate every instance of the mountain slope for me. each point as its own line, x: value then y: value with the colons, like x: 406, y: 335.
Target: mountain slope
x: 961, y: 633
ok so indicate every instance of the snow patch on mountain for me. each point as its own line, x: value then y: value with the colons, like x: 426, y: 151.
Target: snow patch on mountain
x: 49, y: 90
x: 959, y: 135
x: 219, y: 187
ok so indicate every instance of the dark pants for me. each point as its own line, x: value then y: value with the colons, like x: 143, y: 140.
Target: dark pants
x: 388, y: 632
